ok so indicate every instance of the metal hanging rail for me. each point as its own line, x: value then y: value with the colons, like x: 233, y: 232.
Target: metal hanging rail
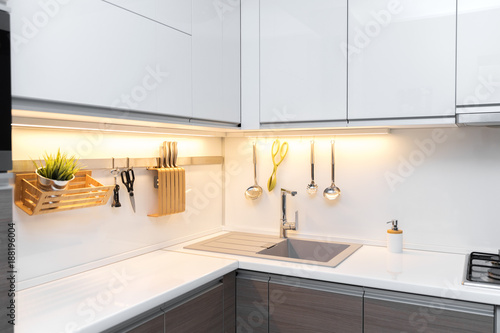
x: 121, y: 163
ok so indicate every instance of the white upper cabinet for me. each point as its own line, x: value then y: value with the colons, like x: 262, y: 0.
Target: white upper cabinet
x: 173, y: 13
x: 95, y: 53
x: 303, y: 71
x: 145, y: 56
x: 71, y: 53
x: 216, y: 60
x: 173, y: 72
x: 401, y: 59
x: 126, y: 61
x: 478, y: 52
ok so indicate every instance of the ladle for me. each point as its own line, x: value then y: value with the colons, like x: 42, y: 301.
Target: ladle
x: 312, y: 187
x: 332, y: 192
x: 254, y: 191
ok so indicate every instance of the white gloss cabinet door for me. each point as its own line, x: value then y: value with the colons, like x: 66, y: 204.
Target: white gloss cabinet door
x: 216, y: 60
x: 127, y: 64
x: 401, y: 59
x: 303, y: 71
x: 478, y: 52
x: 145, y: 64
x: 57, y: 54
x: 173, y: 13
x: 78, y: 57
x: 173, y: 69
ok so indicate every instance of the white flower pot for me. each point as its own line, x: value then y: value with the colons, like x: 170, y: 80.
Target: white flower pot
x: 46, y: 184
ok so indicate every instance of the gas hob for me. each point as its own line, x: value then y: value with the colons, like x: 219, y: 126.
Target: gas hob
x: 483, y: 270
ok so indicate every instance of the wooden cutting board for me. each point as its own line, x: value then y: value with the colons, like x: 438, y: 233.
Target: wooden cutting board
x: 176, y: 191
x: 182, y: 190
x: 161, y: 193
x: 168, y: 191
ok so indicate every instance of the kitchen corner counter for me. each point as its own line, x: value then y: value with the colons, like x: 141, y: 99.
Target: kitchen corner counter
x: 101, y: 298
x: 420, y: 272
x: 104, y: 297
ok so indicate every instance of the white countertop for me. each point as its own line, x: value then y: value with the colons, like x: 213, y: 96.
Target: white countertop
x: 102, y: 298
x: 420, y: 272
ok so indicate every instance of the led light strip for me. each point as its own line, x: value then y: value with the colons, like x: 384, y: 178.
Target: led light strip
x: 107, y: 130
x: 312, y: 133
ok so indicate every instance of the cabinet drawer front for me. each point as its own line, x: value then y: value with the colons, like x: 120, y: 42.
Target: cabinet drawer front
x: 497, y: 316
x: 251, y: 305
x: 297, y: 309
x: 154, y: 325
x: 331, y: 287
x: 395, y: 312
x: 229, y: 282
x: 202, y: 314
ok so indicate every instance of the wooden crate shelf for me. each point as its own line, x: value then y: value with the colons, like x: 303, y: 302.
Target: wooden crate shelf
x: 83, y: 191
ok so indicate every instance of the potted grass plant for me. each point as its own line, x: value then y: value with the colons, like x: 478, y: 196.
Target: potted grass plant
x: 57, y: 172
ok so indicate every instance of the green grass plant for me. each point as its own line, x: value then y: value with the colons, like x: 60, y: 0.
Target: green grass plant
x: 58, y: 167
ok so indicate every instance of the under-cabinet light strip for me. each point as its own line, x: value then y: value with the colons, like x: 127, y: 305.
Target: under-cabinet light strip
x: 316, y: 133
x: 253, y: 134
x: 108, y: 130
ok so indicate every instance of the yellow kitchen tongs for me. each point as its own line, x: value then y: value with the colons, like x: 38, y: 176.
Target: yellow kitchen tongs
x: 283, y: 150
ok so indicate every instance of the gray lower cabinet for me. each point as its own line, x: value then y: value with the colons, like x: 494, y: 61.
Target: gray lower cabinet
x: 207, y: 309
x: 200, y: 314
x: 391, y: 312
x: 301, y: 305
x: 271, y: 303
x: 229, y: 302
x: 155, y: 325
x: 497, y: 316
x: 254, y: 302
x: 252, y: 311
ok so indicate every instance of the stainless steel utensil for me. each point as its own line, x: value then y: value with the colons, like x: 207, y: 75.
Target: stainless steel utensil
x: 312, y: 187
x: 254, y: 191
x: 116, y: 191
x: 332, y: 192
x: 167, y: 153
x: 174, y: 154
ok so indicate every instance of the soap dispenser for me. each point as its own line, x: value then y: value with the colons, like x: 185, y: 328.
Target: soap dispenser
x: 394, y: 238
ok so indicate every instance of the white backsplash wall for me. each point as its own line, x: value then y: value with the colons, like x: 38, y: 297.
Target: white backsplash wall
x: 58, y: 244
x: 441, y: 184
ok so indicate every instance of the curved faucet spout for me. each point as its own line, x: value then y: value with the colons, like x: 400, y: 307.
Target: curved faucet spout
x: 284, y: 224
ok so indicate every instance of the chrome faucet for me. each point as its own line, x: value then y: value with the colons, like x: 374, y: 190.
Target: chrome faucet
x: 284, y: 224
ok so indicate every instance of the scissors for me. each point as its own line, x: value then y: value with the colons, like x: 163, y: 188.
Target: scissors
x: 128, y: 178
x: 283, y: 150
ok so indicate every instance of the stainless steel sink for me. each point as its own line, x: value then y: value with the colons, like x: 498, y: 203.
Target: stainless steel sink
x: 322, y: 253
x: 306, y: 250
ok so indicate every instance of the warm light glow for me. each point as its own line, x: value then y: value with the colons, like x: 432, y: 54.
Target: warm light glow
x: 317, y: 133
x: 108, y: 130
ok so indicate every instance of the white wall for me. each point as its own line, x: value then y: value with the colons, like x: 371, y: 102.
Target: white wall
x: 54, y: 245
x: 441, y: 184
x: 445, y: 195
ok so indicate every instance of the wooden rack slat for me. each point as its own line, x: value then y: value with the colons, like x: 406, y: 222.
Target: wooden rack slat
x: 83, y: 191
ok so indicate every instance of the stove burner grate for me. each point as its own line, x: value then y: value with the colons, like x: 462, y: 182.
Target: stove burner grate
x: 494, y: 273
x: 483, y: 268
